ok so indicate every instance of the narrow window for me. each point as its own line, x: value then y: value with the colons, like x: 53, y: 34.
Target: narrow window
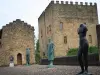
x: 61, y: 25
x: 0, y: 45
x: 65, y: 39
x: 47, y: 30
x: 90, y: 39
x: 50, y: 28
x: 0, y: 33
x: 43, y: 53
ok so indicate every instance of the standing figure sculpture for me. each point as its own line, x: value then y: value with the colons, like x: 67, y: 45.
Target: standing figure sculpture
x: 27, y: 56
x: 11, y: 61
x: 83, y: 49
x: 50, y: 53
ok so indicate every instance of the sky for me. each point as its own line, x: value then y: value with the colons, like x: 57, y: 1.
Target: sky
x: 28, y: 11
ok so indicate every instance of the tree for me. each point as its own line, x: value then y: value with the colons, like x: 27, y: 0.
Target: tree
x: 37, y: 53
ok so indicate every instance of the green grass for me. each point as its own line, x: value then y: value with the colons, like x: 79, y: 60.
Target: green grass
x: 74, y: 51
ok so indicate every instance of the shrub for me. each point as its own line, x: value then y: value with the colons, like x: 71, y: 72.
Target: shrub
x: 93, y: 49
x: 74, y: 51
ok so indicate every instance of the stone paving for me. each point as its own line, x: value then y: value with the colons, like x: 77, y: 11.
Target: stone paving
x: 43, y: 70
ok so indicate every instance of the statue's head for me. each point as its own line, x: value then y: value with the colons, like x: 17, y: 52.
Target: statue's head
x: 82, y: 25
x: 50, y: 40
x: 11, y: 56
x: 82, y: 29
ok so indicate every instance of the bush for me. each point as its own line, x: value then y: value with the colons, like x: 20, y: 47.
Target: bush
x: 93, y: 49
x: 74, y: 51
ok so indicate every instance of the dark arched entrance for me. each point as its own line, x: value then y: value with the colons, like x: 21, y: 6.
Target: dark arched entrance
x: 19, y: 59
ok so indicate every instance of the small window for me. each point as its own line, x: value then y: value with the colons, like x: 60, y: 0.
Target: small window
x: 65, y: 39
x: 50, y: 28
x: 47, y: 30
x: 0, y: 45
x: 61, y: 25
x: 90, y: 39
x: 0, y: 33
x: 43, y: 53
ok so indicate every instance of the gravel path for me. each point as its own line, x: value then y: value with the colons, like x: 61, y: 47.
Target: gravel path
x: 43, y: 70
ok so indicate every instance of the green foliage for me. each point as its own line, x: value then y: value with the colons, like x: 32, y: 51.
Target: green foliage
x: 93, y: 49
x: 37, y: 53
x: 74, y: 51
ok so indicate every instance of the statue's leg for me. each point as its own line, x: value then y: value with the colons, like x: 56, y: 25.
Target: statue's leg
x: 80, y: 60
x: 85, y: 54
x: 28, y: 60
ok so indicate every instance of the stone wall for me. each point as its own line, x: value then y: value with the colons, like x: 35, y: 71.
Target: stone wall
x: 16, y: 37
x: 71, y: 15
x: 93, y: 60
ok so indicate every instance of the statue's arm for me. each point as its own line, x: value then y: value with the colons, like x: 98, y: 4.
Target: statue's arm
x: 53, y: 47
x: 47, y: 49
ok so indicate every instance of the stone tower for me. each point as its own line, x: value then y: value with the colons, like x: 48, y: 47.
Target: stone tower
x: 60, y: 21
x: 15, y: 38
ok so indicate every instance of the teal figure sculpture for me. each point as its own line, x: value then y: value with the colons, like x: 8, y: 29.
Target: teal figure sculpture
x: 50, y: 53
x: 27, y: 56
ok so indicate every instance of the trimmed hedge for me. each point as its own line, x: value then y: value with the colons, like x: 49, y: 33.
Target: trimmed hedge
x: 74, y: 51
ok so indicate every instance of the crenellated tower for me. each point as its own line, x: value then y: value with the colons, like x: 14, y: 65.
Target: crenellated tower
x: 15, y: 38
x: 59, y: 22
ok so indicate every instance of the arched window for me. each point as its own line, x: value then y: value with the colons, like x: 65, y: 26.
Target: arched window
x: 65, y: 39
x: 43, y: 53
x: 90, y: 39
x: 0, y: 44
x: 50, y: 28
x: 0, y: 33
x: 47, y: 30
x: 61, y: 25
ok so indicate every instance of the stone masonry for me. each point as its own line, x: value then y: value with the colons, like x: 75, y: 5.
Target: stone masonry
x: 15, y: 38
x: 61, y: 20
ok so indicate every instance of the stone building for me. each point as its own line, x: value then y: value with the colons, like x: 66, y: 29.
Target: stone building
x: 60, y: 21
x: 15, y: 37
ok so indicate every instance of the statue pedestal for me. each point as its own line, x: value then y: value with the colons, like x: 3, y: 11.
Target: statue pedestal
x: 27, y: 64
x: 85, y: 74
x: 51, y: 64
x: 11, y: 65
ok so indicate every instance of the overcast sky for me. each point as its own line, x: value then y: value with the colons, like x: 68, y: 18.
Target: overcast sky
x: 28, y: 10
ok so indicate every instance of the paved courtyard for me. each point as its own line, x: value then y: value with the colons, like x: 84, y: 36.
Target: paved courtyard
x: 43, y: 70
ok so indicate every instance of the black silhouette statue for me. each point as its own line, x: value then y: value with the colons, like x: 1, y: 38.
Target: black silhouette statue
x: 83, y: 50
x: 11, y: 58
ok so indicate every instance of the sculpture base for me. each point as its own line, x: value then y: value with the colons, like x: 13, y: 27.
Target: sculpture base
x: 85, y: 74
x: 51, y: 64
x: 27, y: 64
x: 11, y: 65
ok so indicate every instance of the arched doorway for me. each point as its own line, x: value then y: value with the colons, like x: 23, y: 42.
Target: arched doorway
x: 19, y: 59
